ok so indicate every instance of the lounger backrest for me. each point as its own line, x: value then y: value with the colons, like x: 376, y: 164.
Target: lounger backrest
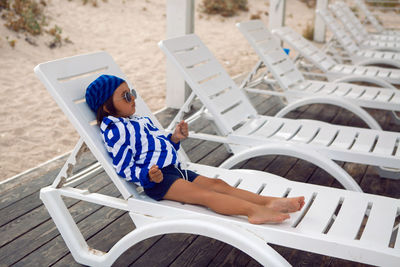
x: 347, y: 22
x: 338, y: 31
x: 269, y: 50
x: 209, y: 81
x: 353, y: 18
x: 361, y: 5
x: 305, y: 48
x: 67, y: 80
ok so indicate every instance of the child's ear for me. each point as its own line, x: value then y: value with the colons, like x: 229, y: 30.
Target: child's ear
x: 105, y: 109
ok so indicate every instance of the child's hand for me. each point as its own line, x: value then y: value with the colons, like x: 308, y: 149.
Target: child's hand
x: 181, y: 132
x: 155, y: 174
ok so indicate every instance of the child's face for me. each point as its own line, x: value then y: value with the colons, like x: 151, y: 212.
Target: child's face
x: 123, y: 107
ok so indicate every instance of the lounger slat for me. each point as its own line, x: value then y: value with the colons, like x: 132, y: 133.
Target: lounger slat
x: 364, y: 142
x: 348, y: 69
x: 384, y: 95
x: 343, y: 89
x: 325, y: 136
x: 344, y: 139
x: 226, y: 99
x: 283, y: 67
x: 378, y: 229
x: 306, y: 134
x: 291, y: 78
x: 338, y: 68
x: 260, y: 35
x: 193, y: 57
x: 274, y: 190
x: 238, y: 114
x: 370, y: 93
x: 320, y: 213
x: 395, y: 75
x: 397, y: 244
x: 382, y: 73
x: 314, y: 87
x: 371, y: 72
x: 328, y: 88
x: 297, y: 192
x: 287, y: 131
x: 269, y: 128
x: 250, y: 185
x: 395, y: 98
x: 216, y: 84
x: 348, y: 221
x: 204, y: 70
x: 355, y: 92
x: 386, y: 143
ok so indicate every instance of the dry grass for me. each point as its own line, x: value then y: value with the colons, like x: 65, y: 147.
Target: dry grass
x: 308, y: 32
x: 28, y: 16
x: 226, y: 8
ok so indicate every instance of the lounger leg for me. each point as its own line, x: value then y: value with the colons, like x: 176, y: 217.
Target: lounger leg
x: 396, y: 117
x: 296, y: 151
x: 250, y: 243
x: 388, y: 173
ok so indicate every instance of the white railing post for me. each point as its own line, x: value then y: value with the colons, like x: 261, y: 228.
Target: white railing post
x: 180, y: 21
x: 276, y: 14
x: 319, y: 24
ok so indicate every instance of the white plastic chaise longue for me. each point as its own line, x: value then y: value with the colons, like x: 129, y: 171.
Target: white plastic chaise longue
x: 363, y: 39
x: 318, y: 228
x: 374, y: 21
x: 332, y: 70
x: 299, y: 91
x: 248, y: 134
x: 357, y: 54
x: 361, y: 29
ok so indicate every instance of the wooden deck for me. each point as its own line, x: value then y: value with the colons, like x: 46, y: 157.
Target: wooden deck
x: 28, y: 236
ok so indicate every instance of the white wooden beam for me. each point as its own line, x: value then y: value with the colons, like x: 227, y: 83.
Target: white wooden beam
x: 277, y: 9
x: 319, y: 24
x: 180, y: 21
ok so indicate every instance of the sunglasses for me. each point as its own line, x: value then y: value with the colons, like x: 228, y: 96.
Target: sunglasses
x: 128, y: 95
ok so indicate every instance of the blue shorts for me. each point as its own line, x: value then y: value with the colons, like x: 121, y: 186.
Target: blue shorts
x: 170, y: 175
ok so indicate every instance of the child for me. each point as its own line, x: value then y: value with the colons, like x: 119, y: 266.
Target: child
x: 141, y: 153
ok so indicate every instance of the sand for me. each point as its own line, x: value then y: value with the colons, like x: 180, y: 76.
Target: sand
x: 34, y: 130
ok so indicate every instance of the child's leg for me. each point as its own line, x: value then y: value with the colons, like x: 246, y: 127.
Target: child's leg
x: 279, y: 204
x: 191, y: 193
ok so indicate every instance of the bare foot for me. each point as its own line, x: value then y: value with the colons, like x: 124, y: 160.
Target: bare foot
x: 287, y: 204
x: 263, y: 214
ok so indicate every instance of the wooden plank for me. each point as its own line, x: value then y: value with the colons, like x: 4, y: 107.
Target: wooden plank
x: 36, y: 228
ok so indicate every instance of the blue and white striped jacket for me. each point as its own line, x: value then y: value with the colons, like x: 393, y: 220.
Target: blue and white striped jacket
x: 135, y: 145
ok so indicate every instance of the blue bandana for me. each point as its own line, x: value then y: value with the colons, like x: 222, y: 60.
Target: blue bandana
x: 100, y: 90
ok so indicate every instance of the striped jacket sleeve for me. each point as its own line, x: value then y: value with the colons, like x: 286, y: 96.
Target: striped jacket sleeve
x: 121, y: 148
x: 175, y: 145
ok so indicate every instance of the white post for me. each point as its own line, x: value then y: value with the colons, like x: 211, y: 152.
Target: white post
x: 277, y: 13
x: 180, y: 21
x: 319, y: 24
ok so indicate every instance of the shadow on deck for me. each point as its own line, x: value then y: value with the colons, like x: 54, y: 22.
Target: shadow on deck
x: 28, y: 236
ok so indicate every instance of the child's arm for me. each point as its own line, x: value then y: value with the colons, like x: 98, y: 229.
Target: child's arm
x: 181, y: 132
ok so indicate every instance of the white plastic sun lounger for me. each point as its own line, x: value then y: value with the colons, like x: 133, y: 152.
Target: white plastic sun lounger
x: 354, y: 52
x: 240, y: 127
x: 355, y: 22
x: 330, y: 67
x: 299, y: 91
x: 330, y: 224
x: 388, y: 43
x: 374, y: 22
